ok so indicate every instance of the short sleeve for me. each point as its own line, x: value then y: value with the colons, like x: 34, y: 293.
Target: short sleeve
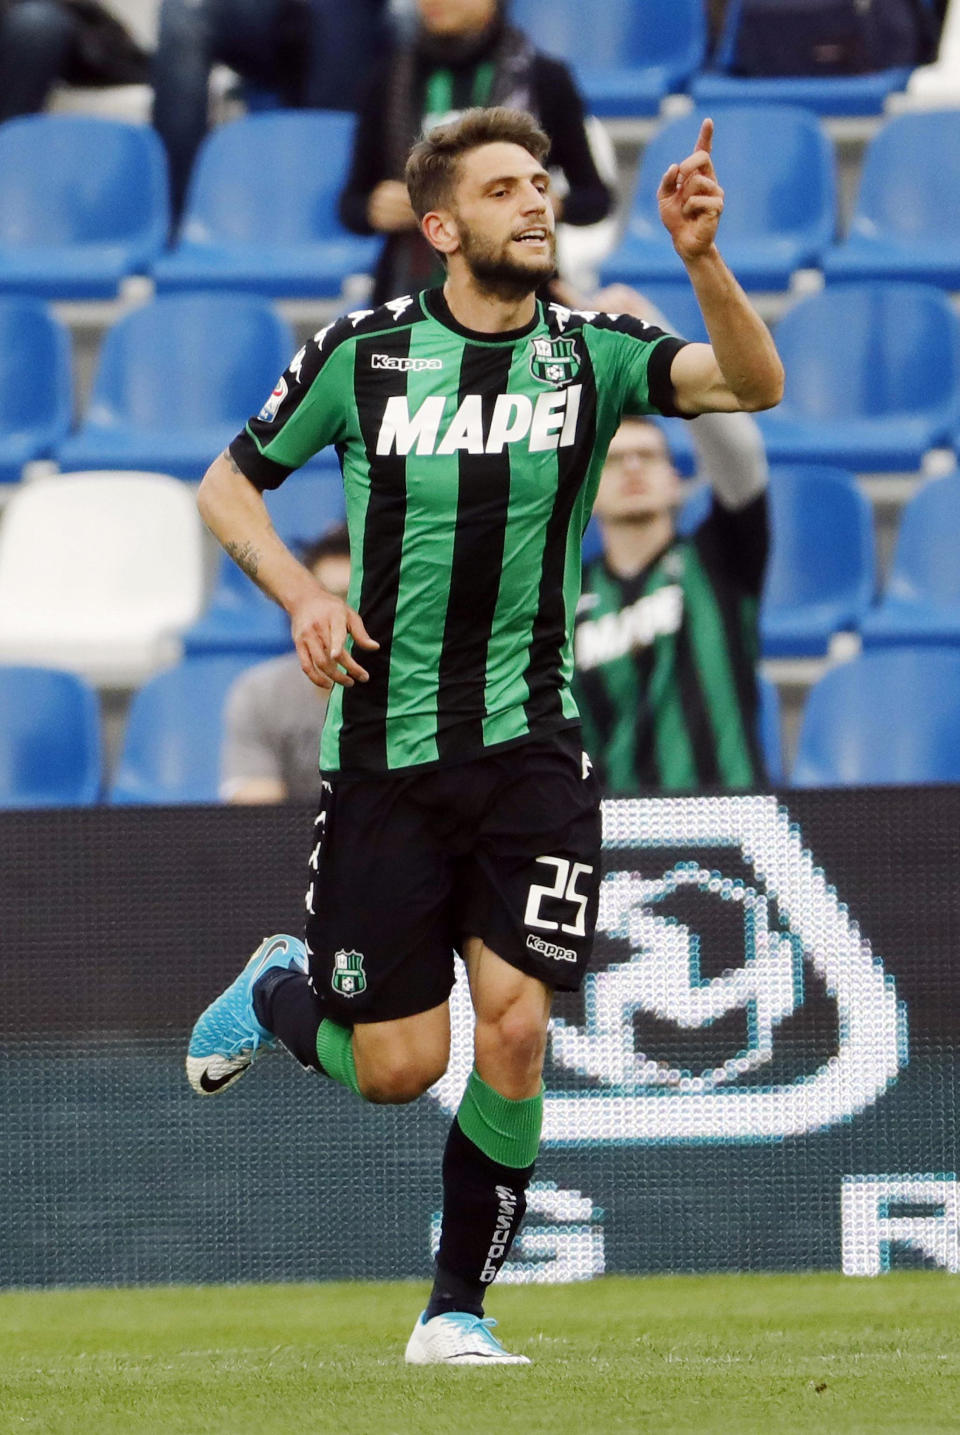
x: 639, y: 357
x: 306, y: 411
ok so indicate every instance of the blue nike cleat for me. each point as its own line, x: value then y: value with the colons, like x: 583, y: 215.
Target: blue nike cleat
x: 227, y: 1035
x: 458, y: 1339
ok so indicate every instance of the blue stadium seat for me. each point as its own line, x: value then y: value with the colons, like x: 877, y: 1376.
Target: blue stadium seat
x: 777, y: 169
x: 872, y: 378
x: 171, y: 747
x: 907, y: 220
x: 770, y: 728
x: 821, y: 576
x: 307, y: 503
x: 176, y: 380
x: 863, y: 94
x: 239, y: 617
x: 261, y: 210
x: 49, y: 739
x: 921, y: 601
x: 626, y: 56
x: 83, y: 204
x: 34, y: 416
x: 890, y: 715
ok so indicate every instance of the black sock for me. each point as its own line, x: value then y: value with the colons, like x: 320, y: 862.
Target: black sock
x: 483, y: 1205
x: 286, y: 1004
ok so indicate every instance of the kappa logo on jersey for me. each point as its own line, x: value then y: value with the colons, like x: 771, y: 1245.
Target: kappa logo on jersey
x: 269, y: 411
x: 349, y: 978
x: 554, y: 361
x: 548, y: 424
x: 412, y: 366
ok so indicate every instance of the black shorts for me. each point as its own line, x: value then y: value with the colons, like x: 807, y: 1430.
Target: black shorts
x: 406, y: 866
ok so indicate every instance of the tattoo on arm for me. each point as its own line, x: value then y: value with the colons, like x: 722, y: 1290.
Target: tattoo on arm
x: 229, y: 459
x: 245, y: 556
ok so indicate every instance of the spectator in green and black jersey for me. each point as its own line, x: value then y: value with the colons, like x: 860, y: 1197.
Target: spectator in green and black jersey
x: 462, y: 54
x: 666, y: 639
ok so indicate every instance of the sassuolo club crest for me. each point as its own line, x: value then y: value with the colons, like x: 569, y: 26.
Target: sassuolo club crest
x: 349, y: 978
x: 554, y: 361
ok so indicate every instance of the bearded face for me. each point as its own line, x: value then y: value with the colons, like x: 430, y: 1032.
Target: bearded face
x: 514, y: 264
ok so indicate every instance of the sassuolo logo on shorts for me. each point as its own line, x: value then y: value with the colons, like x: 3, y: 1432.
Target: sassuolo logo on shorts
x: 348, y: 978
x: 638, y: 1095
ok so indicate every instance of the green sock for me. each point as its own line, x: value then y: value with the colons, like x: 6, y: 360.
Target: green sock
x: 506, y: 1131
x: 335, y: 1054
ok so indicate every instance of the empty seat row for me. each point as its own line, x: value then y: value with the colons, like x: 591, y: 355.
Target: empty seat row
x: 777, y: 168
x: 83, y: 204
x: 872, y: 375
x: 633, y: 53
x: 889, y: 716
x: 51, y: 741
x: 175, y: 380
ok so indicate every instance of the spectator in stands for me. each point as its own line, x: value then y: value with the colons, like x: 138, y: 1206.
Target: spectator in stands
x: 274, y: 714
x: 313, y: 53
x: 42, y: 41
x: 462, y: 53
x: 666, y: 639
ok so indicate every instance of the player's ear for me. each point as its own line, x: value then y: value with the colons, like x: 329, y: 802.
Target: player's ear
x: 440, y: 230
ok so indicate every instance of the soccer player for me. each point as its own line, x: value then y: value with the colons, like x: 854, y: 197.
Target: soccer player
x: 458, y: 810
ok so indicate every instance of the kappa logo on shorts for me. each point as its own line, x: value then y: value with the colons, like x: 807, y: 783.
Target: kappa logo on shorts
x: 349, y: 978
x: 550, y: 949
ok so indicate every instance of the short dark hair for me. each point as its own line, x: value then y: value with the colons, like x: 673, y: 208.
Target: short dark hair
x: 432, y: 166
x: 333, y: 543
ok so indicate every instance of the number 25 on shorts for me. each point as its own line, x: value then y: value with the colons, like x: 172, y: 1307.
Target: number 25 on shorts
x: 564, y: 889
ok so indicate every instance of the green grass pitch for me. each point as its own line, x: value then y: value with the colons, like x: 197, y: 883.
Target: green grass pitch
x: 659, y: 1355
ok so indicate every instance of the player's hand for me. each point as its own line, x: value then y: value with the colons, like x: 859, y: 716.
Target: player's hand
x: 389, y: 209
x: 321, y: 624
x: 691, y: 200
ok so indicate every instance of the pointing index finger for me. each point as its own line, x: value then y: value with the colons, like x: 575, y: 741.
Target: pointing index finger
x: 705, y: 137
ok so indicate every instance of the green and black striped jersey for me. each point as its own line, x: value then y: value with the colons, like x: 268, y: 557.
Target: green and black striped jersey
x: 665, y: 673
x: 470, y: 463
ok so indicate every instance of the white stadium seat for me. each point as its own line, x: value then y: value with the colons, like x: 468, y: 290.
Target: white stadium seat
x: 100, y: 573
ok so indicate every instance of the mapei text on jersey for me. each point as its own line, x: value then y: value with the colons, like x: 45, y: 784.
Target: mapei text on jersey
x: 548, y: 423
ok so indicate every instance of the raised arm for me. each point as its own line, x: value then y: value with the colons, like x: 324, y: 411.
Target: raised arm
x: 740, y: 367
x: 320, y: 622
